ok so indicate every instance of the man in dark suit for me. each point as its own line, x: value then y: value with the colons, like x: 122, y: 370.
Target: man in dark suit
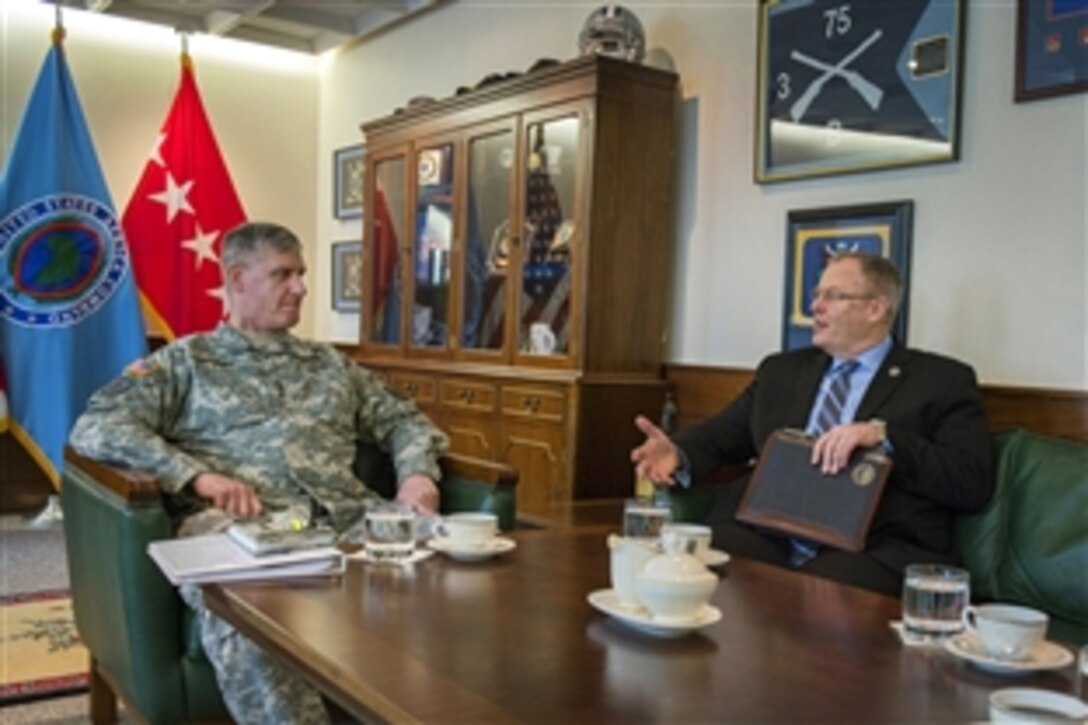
x: 923, y: 409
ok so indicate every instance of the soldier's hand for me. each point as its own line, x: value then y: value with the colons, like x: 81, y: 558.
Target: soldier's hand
x: 234, y: 497
x: 657, y: 458
x: 419, y: 492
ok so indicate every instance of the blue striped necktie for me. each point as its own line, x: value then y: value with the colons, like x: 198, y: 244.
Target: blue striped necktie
x: 828, y: 415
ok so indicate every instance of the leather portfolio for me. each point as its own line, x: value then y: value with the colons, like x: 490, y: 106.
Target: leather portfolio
x: 789, y: 494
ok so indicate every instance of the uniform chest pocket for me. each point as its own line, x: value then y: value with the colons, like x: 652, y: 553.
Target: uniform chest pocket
x: 324, y: 400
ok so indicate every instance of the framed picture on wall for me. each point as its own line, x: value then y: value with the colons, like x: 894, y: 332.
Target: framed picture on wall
x: 850, y: 87
x: 349, y: 169
x: 813, y: 236
x: 347, y: 276
x: 1051, y: 48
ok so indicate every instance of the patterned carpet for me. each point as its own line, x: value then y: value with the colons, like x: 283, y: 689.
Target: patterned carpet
x: 40, y: 651
x: 32, y: 559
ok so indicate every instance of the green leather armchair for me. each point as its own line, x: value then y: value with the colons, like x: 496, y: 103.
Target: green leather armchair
x: 144, y: 642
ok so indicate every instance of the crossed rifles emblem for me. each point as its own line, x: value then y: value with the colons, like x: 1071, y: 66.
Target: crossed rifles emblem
x: 869, y: 91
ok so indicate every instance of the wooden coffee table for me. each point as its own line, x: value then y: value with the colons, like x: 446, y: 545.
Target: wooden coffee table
x: 514, y: 639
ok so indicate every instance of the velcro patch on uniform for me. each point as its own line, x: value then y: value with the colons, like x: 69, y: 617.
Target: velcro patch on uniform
x: 141, y: 368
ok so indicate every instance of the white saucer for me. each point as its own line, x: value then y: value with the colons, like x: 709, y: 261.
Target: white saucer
x: 606, y: 601
x: 1047, y: 656
x: 473, y: 550
x: 416, y: 556
x: 714, y: 557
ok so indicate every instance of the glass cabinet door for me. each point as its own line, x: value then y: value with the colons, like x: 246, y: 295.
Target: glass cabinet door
x: 384, y: 268
x: 544, y: 304
x: 432, y: 246
x: 488, y: 242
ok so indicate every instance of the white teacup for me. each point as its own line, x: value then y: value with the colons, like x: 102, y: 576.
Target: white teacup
x: 1007, y: 631
x: 1027, y: 704
x: 690, y: 538
x: 467, y: 529
x: 628, y: 556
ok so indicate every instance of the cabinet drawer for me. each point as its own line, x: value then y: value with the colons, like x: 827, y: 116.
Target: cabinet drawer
x: 420, y: 388
x: 536, y: 403
x: 468, y: 395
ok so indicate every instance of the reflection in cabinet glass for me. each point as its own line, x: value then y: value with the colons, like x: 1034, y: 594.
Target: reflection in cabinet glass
x: 488, y: 247
x: 385, y: 267
x: 544, y: 305
x: 433, y: 246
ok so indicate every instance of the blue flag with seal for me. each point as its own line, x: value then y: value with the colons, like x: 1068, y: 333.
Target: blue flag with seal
x: 69, y: 314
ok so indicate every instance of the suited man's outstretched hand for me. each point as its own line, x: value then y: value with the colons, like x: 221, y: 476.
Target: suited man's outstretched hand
x: 657, y: 458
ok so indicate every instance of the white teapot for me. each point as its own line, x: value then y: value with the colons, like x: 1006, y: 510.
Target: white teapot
x: 674, y: 586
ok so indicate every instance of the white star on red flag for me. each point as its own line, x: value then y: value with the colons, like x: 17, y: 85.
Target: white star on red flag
x: 202, y: 245
x: 174, y: 197
x: 185, y: 189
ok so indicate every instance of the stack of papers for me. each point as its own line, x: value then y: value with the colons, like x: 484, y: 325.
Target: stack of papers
x: 216, y: 558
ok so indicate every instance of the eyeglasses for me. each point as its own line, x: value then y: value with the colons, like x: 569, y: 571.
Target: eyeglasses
x: 834, y: 295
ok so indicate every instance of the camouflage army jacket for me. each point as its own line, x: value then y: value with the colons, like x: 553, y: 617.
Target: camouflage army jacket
x: 273, y: 411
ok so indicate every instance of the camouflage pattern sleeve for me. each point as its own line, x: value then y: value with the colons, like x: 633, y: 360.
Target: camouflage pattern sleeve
x: 397, y: 425
x: 124, y: 421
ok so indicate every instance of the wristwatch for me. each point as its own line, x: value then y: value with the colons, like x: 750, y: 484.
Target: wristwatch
x: 881, y: 431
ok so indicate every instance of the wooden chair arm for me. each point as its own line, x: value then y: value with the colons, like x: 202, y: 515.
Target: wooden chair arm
x: 132, y: 485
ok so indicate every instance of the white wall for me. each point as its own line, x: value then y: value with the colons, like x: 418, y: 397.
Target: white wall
x: 262, y: 105
x: 999, y: 262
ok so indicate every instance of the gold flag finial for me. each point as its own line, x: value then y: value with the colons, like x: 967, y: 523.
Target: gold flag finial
x: 186, y: 59
x: 57, y: 36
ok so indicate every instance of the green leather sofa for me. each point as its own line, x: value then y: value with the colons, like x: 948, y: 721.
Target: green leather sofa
x: 1029, y: 545
x: 144, y: 644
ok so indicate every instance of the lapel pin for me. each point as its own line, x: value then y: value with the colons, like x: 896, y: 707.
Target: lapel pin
x: 894, y: 372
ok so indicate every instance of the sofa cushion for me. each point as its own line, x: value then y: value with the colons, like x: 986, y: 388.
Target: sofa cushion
x: 1030, y: 544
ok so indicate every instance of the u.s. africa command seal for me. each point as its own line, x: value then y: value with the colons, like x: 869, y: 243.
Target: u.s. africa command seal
x: 62, y: 257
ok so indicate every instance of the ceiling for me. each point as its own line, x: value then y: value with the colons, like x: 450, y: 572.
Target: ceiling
x: 310, y: 26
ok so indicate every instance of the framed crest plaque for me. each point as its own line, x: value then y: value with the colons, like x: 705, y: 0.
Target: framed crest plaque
x: 846, y: 87
x: 813, y: 236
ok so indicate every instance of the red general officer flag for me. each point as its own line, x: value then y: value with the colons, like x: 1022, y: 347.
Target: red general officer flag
x: 176, y: 218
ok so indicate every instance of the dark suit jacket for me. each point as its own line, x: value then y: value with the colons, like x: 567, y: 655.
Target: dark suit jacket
x: 941, y: 447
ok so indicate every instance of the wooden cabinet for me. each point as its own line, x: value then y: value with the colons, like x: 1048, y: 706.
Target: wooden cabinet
x: 517, y: 249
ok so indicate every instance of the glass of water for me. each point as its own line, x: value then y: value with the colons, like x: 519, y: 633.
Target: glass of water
x: 644, y: 519
x: 934, y: 597
x: 389, y: 533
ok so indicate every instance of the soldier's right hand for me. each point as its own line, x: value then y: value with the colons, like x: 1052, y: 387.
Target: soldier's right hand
x: 234, y: 497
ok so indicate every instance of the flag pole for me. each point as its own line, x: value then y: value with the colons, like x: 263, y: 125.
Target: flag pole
x: 57, y: 35
x: 52, y: 513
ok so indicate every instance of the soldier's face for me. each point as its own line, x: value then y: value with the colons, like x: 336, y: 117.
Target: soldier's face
x: 267, y: 291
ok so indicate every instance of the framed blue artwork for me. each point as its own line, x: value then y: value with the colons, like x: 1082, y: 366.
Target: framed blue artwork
x: 857, y: 86
x: 1051, y: 48
x: 348, y: 177
x: 813, y: 236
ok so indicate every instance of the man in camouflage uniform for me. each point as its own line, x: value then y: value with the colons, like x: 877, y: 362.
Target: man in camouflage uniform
x: 248, y: 420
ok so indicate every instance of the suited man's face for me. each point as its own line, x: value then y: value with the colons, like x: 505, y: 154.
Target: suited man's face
x: 848, y: 314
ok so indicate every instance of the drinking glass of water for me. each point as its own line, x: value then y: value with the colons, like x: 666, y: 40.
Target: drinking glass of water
x: 934, y: 597
x: 643, y: 518
x: 389, y: 532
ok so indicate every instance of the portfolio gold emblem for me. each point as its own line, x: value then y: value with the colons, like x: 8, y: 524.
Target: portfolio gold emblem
x: 863, y: 474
